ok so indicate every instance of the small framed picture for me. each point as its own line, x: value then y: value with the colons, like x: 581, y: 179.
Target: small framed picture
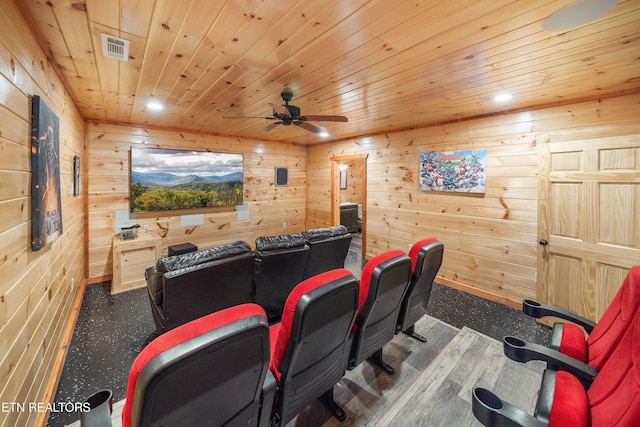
x: 76, y: 175
x: 343, y: 179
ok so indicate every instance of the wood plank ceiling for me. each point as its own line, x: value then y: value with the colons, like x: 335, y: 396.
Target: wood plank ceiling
x: 385, y: 65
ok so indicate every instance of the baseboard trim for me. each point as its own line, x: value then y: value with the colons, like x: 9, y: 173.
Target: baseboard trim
x: 511, y: 302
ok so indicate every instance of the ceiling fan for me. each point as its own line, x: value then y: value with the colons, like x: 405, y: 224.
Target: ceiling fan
x: 288, y: 115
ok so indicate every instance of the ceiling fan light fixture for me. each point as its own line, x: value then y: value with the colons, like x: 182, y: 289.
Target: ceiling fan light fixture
x: 577, y: 14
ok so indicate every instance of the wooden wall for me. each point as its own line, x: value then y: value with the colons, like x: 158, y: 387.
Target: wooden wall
x: 490, y: 239
x: 270, y: 207
x: 36, y: 292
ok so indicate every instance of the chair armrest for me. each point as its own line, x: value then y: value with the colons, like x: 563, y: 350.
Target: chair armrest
x: 150, y: 272
x: 268, y: 395
x: 538, y: 310
x: 520, y: 351
x: 492, y: 411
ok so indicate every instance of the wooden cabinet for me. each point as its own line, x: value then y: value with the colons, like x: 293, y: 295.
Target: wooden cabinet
x: 131, y: 258
x: 349, y: 216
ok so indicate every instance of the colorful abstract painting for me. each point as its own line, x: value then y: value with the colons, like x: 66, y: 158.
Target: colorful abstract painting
x: 46, y: 204
x: 458, y: 171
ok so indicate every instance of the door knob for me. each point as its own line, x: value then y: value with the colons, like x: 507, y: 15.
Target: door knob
x: 543, y: 242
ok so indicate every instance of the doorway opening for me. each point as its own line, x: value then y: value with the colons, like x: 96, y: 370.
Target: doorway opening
x: 349, y: 195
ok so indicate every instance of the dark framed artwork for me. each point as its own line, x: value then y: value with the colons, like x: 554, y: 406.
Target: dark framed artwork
x: 46, y: 204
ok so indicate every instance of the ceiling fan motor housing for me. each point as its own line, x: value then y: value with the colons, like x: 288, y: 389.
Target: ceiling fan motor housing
x: 294, y: 112
x: 286, y: 94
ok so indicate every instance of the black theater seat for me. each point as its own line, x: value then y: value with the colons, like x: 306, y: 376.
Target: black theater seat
x: 210, y: 371
x: 383, y: 284
x: 279, y: 267
x: 309, y: 346
x: 328, y: 248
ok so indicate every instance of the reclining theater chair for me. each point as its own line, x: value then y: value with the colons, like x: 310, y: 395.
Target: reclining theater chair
x: 209, y: 371
x: 185, y: 287
x: 383, y: 283
x: 612, y: 400
x: 328, y: 249
x: 569, y: 350
x: 309, y: 346
x: 279, y: 267
x: 426, y: 259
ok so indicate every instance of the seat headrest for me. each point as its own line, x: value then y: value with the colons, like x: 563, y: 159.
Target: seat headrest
x: 631, y: 293
x: 280, y: 346
x: 367, y: 272
x: 182, y: 334
x: 416, y: 248
x: 314, y: 234
x: 282, y: 241
x: 199, y: 257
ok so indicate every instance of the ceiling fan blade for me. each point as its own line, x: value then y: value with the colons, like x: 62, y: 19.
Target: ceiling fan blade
x: 280, y: 109
x: 324, y: 118
x: 308, y: 126
x: 271, y: 126
x: 247, y: 117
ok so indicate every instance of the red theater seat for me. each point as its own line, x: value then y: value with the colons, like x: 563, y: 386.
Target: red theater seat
x: 426, y: 258
x: 308, y: 346
x: 569, y: 349
x: 209, y: 371
x: 383, y: 284
x: 612, y: 400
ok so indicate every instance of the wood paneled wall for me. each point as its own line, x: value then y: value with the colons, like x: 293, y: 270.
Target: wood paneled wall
x: 36, y: 292
x: 490, y: 239
x: 270, y: 207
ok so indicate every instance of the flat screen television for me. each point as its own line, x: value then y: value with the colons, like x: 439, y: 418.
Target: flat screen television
x: 172, y: 180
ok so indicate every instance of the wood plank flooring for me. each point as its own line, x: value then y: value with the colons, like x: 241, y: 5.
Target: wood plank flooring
x: 428, y: 391
x: 441, y: 394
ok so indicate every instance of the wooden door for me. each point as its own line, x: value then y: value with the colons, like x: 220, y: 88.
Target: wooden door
x: 588, y: 221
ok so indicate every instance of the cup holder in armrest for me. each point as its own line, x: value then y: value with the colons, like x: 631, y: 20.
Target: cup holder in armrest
x: 516, y: 349
x: 492, y: 411
x: 538, y: 310
x: 487, y: 398
x: 486, y: 406
x: 532, y: 308
x: 521, y: 351
x: 513, y: 341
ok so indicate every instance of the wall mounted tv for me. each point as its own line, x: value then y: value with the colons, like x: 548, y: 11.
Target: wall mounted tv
x: 172, y: 180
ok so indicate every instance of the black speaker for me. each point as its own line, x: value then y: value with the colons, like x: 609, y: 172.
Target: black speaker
x: 282, y: 177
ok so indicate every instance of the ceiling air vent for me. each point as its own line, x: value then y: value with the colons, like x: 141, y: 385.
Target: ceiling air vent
x: 114, y: 47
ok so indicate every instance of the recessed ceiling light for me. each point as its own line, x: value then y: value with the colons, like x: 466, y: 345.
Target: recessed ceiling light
x: 323, y: 134
x: 154, y: 106
x: 503, y: 97
x: 577, y: 14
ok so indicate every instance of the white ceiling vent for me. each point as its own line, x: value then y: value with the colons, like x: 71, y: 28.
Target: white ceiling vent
x: 114, y: 47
